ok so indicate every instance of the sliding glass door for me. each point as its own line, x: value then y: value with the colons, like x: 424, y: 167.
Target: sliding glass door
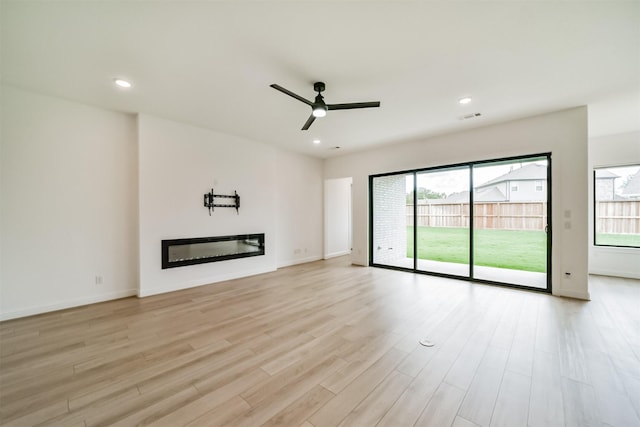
x: 442, y: 221
x: 510, y: 222
x: 486, y: 221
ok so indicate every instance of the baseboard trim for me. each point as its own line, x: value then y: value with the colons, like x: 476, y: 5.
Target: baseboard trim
x: 337, y: 254
x: 291, y: 262
x: 615, y: 273
x: 32, y: 311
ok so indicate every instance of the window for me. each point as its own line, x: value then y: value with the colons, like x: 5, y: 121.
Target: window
x: 538, y: 185
x: 514, y: 187
x: 616, y: 195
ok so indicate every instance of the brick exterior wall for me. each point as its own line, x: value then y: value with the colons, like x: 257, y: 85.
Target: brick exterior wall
x: 389, y: 219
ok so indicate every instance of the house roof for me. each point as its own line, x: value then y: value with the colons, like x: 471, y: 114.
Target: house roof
x: 491, y: 194
x: 605, y: 174
x: 532, y: 171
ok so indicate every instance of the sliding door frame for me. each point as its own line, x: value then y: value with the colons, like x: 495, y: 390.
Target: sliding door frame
x: 470, y: 165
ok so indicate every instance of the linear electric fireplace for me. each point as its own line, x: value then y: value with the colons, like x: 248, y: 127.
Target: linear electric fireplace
x: 181, y: 252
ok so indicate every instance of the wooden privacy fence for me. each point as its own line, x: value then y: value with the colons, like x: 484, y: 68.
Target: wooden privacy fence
x: 612, y: 217
x: 497, y: 215
x: 619, y: 217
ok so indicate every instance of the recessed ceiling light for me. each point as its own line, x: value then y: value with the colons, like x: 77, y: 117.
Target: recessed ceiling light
x: 122, y: 83
x: 465, y: 100
x: 316, y: 141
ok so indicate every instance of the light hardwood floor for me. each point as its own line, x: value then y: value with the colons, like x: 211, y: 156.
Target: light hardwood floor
x: 325, y: 344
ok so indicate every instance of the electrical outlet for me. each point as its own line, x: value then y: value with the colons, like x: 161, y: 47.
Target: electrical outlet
x: 98, y: 280
x: 296, y: 252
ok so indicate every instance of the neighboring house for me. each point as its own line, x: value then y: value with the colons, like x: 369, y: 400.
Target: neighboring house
x: 529, y: 184
x: 631, y: 190
x: 605, y: 185
x: 525, y: 184
x: 489, y: 194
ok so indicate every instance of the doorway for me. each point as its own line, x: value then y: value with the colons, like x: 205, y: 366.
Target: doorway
x: 337, y: 217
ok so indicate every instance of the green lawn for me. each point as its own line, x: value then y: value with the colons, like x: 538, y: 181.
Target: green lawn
x: 632, y: 240
x: 518, y: 250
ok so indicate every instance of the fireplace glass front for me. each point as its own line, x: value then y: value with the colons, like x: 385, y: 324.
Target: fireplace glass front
x: 181, y: 252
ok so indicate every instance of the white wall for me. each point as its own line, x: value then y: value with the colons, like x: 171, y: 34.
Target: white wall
x: 564, y: 134
x: 298, y: 208
x: 178, y: 163
x: 337, y: 217
x: 612, y: 150
x: 68, y: 200
x: 70, y: 210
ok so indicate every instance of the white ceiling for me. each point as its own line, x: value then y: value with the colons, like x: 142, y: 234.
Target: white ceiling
x: 210, y: 63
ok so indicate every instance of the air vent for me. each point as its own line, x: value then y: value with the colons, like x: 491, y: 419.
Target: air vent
x: 470, y: 116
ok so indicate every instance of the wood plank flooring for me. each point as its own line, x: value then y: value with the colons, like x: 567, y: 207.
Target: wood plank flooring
x: 330, y: 344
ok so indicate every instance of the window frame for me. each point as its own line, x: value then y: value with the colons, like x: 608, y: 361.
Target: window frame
x: 595, y: 207
x: 471, y: 276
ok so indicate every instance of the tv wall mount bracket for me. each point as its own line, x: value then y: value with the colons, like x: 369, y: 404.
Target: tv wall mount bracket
x: 210, y: 202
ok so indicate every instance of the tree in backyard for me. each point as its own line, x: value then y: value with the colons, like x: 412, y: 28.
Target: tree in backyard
x: 425, y: 193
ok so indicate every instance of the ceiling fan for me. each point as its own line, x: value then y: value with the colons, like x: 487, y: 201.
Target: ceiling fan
x: 318, y: 107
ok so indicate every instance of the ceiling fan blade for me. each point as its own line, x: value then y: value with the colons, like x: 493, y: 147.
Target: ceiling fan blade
x: 353, y: 105
x: 308, y: 123
x: 291, y: 94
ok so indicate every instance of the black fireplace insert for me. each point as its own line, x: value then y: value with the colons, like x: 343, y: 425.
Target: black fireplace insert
x: 200, y: 250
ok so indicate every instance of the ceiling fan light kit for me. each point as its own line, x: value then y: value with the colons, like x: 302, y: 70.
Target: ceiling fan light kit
x: 318, y: 107
x: 319, y: 111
